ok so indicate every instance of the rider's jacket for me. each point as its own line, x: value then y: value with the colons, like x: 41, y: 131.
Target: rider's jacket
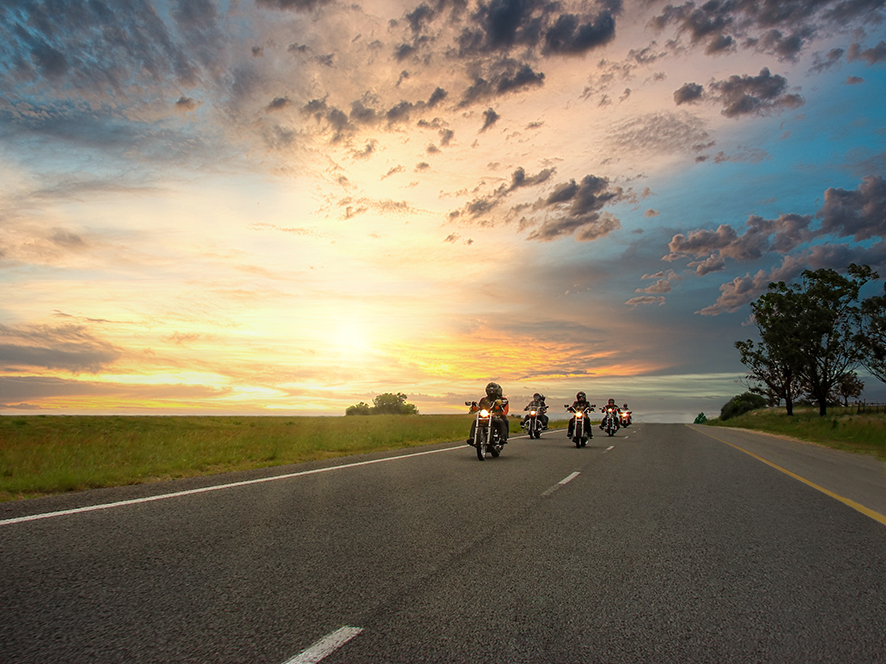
x: 540, y: 406
x: 499, y: 409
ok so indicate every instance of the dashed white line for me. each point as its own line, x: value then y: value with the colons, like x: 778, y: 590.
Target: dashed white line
x: 559, y: 484
x: 325, y: 646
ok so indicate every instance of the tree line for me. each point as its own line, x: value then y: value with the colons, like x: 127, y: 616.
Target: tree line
x: 814, y: 334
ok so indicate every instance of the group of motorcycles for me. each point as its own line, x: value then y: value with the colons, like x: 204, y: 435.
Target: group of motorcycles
x: 487, y: 439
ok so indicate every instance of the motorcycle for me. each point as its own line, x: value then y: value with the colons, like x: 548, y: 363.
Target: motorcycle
x: 581, y: 430
x: 486, y: 439
x: 610, y: 420
x: 533, y: 422
x: 625, y: 418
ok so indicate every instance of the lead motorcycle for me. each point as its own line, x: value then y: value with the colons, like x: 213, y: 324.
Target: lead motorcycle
x: 581, y: 430
x: 533, y: 423
x: 610, y: 420
x: 486, y: 438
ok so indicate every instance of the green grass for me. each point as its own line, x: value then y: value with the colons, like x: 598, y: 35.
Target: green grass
x: 840, y: 429
x: 47, y: 455
x: 43, y: 455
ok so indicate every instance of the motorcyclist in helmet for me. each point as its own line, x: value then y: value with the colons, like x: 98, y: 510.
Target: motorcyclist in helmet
x: 581, y: 403
x: 497, y: 404
x: 538, y: 403
x: 614, y: 406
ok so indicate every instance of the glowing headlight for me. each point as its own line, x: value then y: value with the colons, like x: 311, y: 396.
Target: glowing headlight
x: 484, y: 413
x: 532, y: 412
x: 579, y: 415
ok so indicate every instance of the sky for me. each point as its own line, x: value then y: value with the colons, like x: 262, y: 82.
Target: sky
x: 285, y: 207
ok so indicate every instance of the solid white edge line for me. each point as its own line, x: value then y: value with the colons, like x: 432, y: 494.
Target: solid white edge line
x: 217, y: 487
x: 325, y: 646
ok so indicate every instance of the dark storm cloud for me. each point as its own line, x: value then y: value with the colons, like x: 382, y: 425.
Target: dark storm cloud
x: 576, y: 208
x: 744, y: 95
x: 780, y: 27
x: 513, y: 79
x: 490, y: 117
x: 689, y: 93
x: 72, y: 348
x: 860, y: 213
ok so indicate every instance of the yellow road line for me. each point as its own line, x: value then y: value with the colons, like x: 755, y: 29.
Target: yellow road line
x: 876, y: 516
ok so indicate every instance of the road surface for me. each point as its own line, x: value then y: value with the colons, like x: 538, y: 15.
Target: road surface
x: 665, y: 543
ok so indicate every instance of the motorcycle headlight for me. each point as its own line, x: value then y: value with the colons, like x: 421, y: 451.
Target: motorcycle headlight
x: 532, y: 412
x: 579, y: 415
x: 484, y: 413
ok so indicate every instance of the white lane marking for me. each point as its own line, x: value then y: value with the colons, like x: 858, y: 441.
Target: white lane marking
x: 325, y: 646
x: 559, y: 484
x: 569, y: 478
x: 610, y: 448
x: 217, y: 487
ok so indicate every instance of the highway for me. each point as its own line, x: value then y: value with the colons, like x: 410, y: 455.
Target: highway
x: 665, y: 543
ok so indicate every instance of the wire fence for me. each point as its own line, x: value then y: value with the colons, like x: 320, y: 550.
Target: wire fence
x: 865, y: 407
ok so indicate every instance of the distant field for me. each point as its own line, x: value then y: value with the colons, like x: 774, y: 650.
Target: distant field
x: 41, y: 455
x: 841, y: 429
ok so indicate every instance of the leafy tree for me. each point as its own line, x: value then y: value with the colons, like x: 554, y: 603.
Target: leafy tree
x: 849, y: 386
x: 394, y: 404
x: 808, y: 330
x: 700, y: 418
x: 359, y: 409
x: 872, y: 336
x: 741, y: 404
x: 772, y: 370
x: 384, y: 404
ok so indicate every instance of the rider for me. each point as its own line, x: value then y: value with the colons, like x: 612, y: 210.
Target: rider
x: 581, y: 403
x: 538, y: 402
x: 613, y: 405
x: 496, y: 404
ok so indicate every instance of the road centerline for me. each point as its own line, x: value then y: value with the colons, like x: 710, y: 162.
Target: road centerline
x: 325, y: 646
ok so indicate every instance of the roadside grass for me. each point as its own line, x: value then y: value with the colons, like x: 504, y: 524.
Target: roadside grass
x: 841, y: 428
x: 42, y: 455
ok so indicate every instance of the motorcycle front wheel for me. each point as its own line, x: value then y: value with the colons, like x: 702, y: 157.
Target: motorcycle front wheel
x: 481, y: 446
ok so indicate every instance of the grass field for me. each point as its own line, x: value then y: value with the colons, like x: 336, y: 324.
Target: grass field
x: 42, y: 455
x: 841, y: 429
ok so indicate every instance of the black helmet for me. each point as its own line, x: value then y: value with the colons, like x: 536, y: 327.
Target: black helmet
x: 493, y: 390
x: 536, y: 396
x: 581, y: 396
x: 612, y: 401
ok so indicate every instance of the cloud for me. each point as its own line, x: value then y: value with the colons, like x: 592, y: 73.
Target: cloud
x: 575, y: 207
x: 490, y: 117
x: 68, y: 347
x: 872, y: 56
x: 860, y: 213
x: 746, y: 95
x: 645, y: 299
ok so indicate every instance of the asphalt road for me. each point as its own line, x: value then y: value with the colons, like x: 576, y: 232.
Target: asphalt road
x: 665, y: 543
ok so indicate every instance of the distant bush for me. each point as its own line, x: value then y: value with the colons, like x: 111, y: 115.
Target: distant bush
x: 700, y: 418
x: 741, y: 404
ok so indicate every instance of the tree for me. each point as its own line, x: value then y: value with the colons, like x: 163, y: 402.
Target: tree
x: 872, y: 336
x: 771, y: 369
x: 359, y: 409
x: 393, y: 404
x: 808, y: 330
x: 849, y: 386
x: 384, y: 404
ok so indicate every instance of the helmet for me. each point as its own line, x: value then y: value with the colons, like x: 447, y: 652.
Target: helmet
x: 536, y: 396
x: 493, y: 390
x: 625, y: 406
x: 581, y: 396
x: 612, y: 401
